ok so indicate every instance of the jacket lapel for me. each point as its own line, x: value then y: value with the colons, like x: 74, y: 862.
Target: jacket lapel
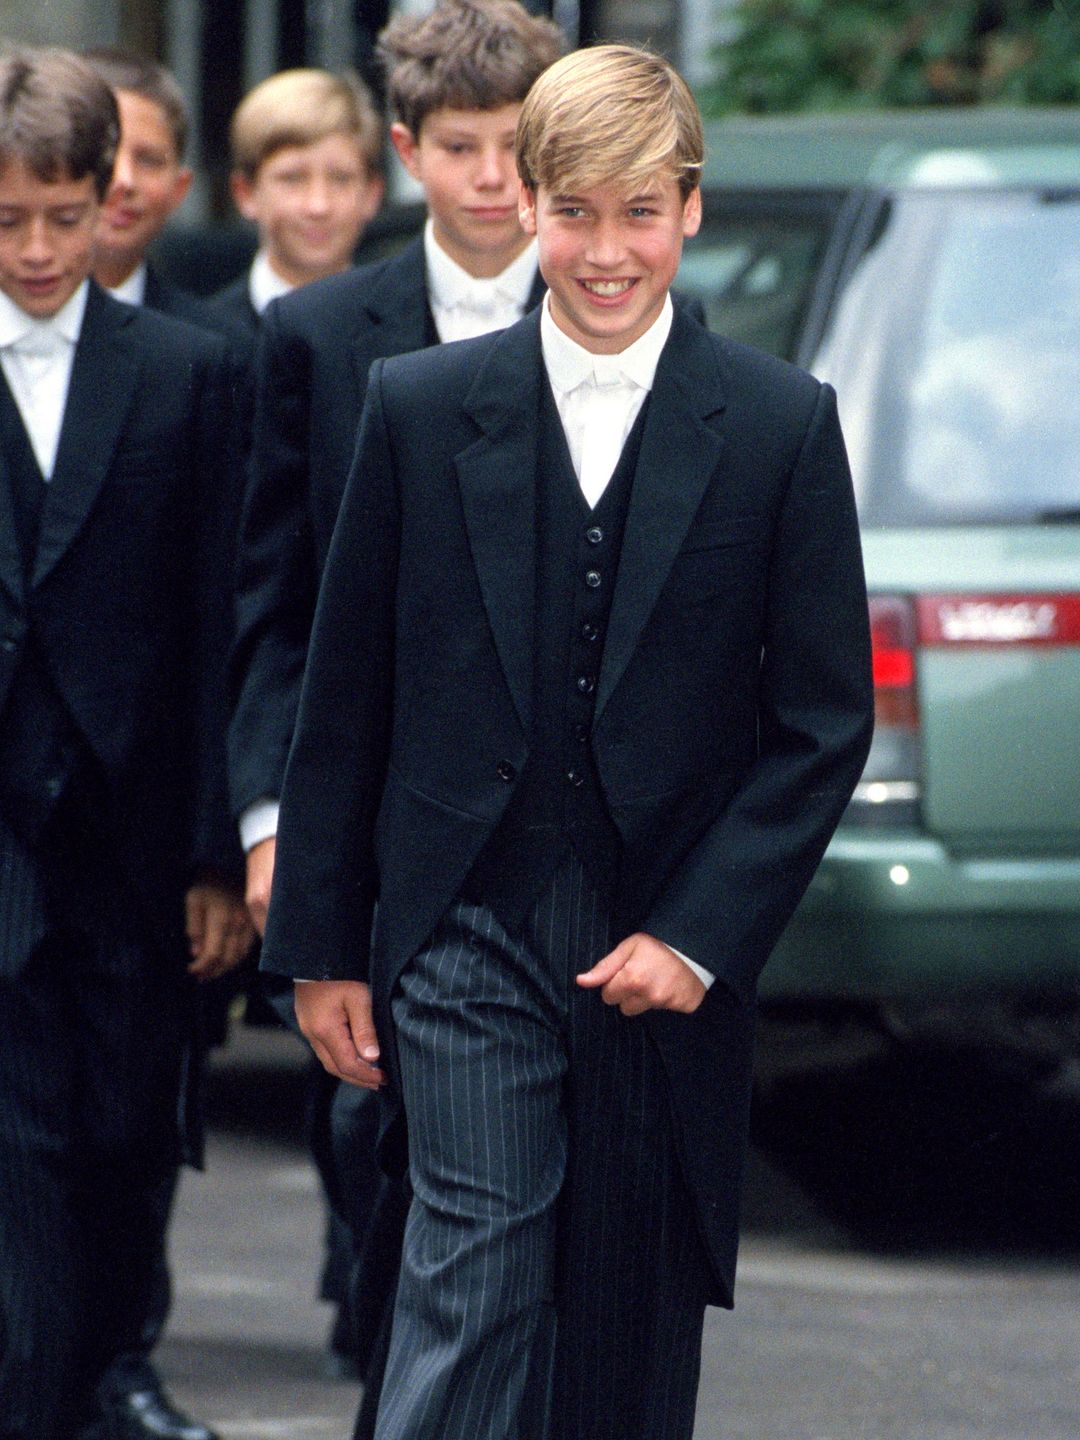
x: 680, y: 451
x: 11, y: 563
x: 398, y: 306
x: 497, y: 479
x: 103, y: 379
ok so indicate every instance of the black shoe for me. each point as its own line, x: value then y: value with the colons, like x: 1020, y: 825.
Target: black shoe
x: 151, y: 1415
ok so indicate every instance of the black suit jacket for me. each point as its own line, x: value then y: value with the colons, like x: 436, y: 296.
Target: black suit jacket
x: 130, y: 590
x: 315, y: 350
x: 232, y: 308
x: 733, y: 704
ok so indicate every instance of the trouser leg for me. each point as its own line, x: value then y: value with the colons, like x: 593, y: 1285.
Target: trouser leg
x: 482, y: 1062
x: 40, y: 1296
x: 508, y: 1069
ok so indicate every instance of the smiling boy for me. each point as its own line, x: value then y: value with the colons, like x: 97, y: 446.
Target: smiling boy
x: 306, y: 172
x: 589, y: 688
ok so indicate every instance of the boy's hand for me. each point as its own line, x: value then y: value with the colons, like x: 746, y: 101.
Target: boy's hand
x: 335, y: 1017
x: 218, y: 929
x: 259, y: 878
x: 644, y: 974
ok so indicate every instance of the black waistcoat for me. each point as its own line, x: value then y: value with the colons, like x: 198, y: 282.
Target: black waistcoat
x: 40, y: 748
x: 558, y: 802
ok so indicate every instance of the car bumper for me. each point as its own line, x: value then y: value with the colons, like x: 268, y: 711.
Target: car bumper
x: 894, y: 915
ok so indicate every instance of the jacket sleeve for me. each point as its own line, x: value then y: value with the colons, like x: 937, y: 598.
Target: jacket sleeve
x: 325, y: 883
x: 218, y: 467
x: 276, y: 573
x: 728, y: 901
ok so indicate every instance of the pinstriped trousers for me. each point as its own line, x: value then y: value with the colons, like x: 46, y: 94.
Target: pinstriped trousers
x: 553, y: 1276
x: 88, y: 1067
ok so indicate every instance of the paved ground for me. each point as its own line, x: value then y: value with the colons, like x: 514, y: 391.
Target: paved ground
x: 911, y: 1268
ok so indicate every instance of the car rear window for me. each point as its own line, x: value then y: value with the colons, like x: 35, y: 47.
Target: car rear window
x: 753, y: 264
x: 955, y: 351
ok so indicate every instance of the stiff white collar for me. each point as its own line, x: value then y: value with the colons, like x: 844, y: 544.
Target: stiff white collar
x: 569, y: 364
x: 450, y: 285
x: 264, y: 283
x: 16, y: 326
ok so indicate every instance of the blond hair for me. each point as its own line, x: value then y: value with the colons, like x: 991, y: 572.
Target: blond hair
x: 612, y: 112
x: 301, y: 107
x: 464, y: 55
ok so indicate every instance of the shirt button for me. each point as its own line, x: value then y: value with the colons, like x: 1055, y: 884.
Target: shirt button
x: 594, y: 535
x: 592, y: 579
x: 585, y: 684
x: 505, y: 771
x: 589, y: 631
x: 575, y: 777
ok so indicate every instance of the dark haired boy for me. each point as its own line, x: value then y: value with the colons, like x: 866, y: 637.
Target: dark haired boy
x: 457, y: 78
x: 589, y: 688
x: 118, y: 456
x: 149, y: 183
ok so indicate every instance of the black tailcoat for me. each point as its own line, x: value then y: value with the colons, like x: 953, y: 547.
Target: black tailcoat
x: 130, y: 589
x: 315, y: 350
x: 733, y: 704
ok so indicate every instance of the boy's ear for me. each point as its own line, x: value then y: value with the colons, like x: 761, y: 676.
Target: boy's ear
x: 181, y: 186
x: 242, y: 189
x: 691, y: 222
x: 406, y: 145
x: 526, y: 208
x: 374, y: 190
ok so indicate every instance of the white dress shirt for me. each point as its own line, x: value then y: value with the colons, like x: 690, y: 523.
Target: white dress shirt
x: 464, y: 306
x: 37, y: 356
x: 132, y: 290
x: 264, y: 283
x: 598, y: 397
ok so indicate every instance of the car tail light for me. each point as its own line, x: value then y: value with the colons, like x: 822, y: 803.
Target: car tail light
x: 892, y: 637
x: 891, y: 776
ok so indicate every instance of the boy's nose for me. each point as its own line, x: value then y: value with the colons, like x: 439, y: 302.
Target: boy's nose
x: 37, y: 249
x: 318, y: 197
x: 496, y: 169
x: 123, y: 176
x: 605, y: 247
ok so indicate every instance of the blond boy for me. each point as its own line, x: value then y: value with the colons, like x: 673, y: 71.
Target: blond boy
x: 306, y: 173
x: 588, y: 691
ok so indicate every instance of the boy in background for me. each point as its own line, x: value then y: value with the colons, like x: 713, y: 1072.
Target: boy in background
x: 149, y: 183
x: 588, y: 690
x: 306, y: 150
x: 456, y: 78
x: 120, y: 454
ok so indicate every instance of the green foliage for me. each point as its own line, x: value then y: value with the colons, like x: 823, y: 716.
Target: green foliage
x: 864, y: 54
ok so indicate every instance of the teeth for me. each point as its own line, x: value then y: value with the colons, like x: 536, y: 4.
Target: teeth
x: 607, y: 287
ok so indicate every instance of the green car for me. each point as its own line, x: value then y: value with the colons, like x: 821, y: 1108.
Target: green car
x: 928, y: 266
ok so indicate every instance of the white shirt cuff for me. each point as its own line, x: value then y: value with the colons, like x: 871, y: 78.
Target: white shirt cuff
x: 258, y: 822
x: 703, y: 975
